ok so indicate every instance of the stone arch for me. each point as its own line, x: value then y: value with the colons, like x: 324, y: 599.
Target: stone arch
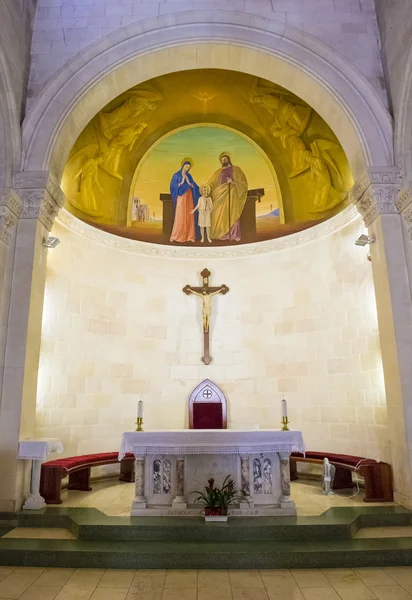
x: 187, y: 40
x: 403, y: 125
x: 10, y: 147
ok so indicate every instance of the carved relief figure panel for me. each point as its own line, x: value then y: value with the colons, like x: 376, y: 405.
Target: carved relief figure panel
x: 263, y: 482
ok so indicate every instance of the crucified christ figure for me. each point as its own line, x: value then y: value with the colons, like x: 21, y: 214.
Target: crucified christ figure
x: 205, y: 293
x: 207, y: 305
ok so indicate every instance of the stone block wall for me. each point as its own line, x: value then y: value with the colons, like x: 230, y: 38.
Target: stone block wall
x: 299, y: 321
x: 64, y: 27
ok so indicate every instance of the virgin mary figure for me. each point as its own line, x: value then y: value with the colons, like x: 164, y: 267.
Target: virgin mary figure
x: 185, y: 194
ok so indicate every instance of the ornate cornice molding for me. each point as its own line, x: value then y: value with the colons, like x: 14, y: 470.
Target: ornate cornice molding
x: 404, y: 205
x: 8, y: 222
x: 159, y: 250
x: 10, y: 199
x: 407, y: 216
x: 404, y: 199
x: 10, y: 210
x: 375, y: 193
x: 42, y: 196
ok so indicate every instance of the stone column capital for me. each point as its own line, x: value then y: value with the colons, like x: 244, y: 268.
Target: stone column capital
x: 10, y: 210
x: 42, y: 196
x: 375, y: 192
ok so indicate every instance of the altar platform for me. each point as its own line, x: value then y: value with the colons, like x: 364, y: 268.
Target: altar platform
x: 99, y: 541
x: 171, y: 466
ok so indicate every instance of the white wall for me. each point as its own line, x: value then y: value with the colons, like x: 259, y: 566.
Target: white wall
x: 64, y: 27
x: 299, y: 321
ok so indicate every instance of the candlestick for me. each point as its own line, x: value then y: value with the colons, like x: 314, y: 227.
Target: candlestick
x: 139, y: 424
x: 140, y: 409
x: 284, y: 408
x: 285, y: 423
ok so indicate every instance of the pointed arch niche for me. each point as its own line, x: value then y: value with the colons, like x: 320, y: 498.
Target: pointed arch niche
x: 207, y: 407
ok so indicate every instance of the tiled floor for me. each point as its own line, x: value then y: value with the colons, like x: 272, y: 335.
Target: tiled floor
x: 384, y: 532
x: 44, y: 533
x: 115, y: 498
x: 393, y: 583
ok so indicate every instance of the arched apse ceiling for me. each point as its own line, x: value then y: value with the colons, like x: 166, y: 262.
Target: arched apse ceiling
x: 295, y: 170
x: 185, y: 41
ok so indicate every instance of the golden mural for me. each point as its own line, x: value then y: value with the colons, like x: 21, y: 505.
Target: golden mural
x: 214, y: 196
x: 206, y: 157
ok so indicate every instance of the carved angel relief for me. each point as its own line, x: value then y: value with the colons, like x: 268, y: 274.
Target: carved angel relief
x: 115, y: 131
x: 321, y: 160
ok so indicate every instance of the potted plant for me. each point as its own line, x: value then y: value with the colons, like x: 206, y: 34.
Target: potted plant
x: 217, y: 500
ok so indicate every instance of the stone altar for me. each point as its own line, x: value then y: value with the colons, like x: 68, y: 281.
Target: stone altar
x: 171, y: 464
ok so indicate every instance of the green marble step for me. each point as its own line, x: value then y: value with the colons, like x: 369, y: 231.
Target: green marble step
x: 4, y: 530
x: 337, y: 523
x: 8, y: 520
x: 189, y: 555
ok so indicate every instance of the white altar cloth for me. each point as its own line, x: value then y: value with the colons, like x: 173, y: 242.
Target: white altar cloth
x: 170, y: 465
x: 39, y: 449
x: 210, y: 441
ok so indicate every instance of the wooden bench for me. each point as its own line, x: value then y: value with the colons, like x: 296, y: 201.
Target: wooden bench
x: 78, y: 469
x: 377, y: 475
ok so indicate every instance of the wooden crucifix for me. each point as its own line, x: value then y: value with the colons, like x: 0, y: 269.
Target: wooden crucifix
x: 205, y: 293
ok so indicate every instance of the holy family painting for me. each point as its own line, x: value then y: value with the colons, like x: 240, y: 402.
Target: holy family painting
x: 217, y: 196
x: 212, y: 210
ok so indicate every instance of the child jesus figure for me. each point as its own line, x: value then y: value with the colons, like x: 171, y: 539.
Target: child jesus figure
x: 205, y: 207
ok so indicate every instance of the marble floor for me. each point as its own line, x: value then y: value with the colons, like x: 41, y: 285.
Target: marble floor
x: 26, y: 583
x: 114, y: 497
x: 40, y: 533
x: 384, y: 532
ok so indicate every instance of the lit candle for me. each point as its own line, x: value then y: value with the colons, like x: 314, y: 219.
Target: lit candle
x: 140, y: 409
x: 284, y: 409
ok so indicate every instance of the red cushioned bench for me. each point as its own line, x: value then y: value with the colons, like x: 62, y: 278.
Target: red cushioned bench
x: 377, y: 475
x: 78, y: 469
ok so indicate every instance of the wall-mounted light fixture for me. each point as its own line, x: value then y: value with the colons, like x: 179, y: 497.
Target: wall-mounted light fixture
x: 51, y: 242
x: 364, y: 240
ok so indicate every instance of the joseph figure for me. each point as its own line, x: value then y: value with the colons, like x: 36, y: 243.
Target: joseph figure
x: 229, y: 192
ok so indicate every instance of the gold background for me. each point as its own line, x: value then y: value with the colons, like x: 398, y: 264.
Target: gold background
x: 208, y: 97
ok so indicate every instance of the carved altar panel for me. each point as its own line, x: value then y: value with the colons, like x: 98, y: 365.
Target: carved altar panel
x: 264, y: 478
x: 200, y: 468
x: 159, y: 479
x: 209, y: 396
